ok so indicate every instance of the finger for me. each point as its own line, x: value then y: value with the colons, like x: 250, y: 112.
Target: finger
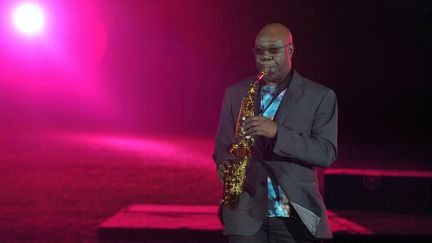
x: 256, y: 131
x: 249, y: 125
x: 259, y: 133
x: 250, y: 130
x: 252, y: 119
x: 247, y: 122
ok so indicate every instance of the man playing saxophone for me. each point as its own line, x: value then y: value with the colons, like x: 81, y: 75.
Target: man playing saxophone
x: 292, y: 130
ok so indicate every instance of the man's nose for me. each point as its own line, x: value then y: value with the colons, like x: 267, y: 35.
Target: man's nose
x: 266, y: 56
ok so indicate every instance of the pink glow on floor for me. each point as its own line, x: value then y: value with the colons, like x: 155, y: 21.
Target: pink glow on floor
x: 182, y: 151
x: 197, y: 217
x: 374, y: 172
x: 341, y: 224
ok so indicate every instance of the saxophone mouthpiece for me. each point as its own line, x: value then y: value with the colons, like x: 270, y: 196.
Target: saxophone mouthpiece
x: 261, y: 74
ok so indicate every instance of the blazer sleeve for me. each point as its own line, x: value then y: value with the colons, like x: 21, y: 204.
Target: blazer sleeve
x: 319, y: 147
x: 225, y: 131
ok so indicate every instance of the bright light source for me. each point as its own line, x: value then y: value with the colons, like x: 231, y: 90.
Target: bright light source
x: 29, y: 19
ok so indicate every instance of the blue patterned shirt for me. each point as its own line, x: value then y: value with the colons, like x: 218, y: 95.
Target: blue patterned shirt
x: 276, y: 208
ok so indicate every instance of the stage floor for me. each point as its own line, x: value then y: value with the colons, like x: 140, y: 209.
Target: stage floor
x: 61, y: 186
x: 170, y: 222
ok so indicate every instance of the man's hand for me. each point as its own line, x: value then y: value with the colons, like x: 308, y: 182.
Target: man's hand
x: 260, y: 126
x: 220, y: 172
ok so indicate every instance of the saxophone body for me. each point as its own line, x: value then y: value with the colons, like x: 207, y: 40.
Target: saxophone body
x: 240, y: 150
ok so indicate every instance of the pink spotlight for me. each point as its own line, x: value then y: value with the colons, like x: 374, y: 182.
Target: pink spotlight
x: 29, y: 19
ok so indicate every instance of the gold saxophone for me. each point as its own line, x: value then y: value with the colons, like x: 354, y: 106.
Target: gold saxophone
x: 240, y: 150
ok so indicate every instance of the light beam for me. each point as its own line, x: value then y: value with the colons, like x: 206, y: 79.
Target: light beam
x: 29, y: 19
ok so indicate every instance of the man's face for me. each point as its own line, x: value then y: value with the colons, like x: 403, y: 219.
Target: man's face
x: 273, y: 53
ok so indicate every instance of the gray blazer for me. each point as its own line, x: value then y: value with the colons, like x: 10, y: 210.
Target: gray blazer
x: 306, y: 138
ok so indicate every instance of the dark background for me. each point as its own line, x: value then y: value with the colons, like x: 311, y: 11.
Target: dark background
x: 374, y: 54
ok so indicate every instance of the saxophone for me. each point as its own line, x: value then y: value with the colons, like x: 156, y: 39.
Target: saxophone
x: 240, y: 150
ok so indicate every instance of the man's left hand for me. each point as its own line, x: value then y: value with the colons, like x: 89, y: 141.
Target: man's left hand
x: 260, y: 126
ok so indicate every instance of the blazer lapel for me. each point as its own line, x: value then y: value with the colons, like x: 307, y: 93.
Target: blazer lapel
x: 292, y: 95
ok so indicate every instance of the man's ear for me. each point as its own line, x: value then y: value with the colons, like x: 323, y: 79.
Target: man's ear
x: 291, y: 51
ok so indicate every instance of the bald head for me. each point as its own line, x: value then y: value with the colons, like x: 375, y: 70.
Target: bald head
x: 273, y: 52
x: 276, y: 30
